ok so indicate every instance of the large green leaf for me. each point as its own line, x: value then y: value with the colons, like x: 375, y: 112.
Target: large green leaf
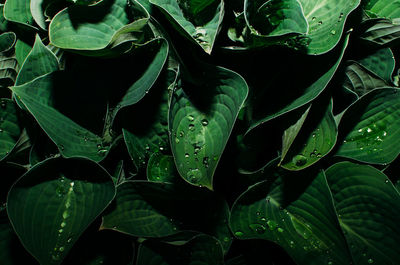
x: 98, y: 26
x: 201, y: 118
x: 19, y: 11
x: 54, y: 202
x: 200, y: 250
x: 326, y: 20
x: 317, y: 138
x: 370, y: 127
x: 275, y: 17
x: 10, y: 126
x: 360, y: 80
x: 148, y: 134
x: 383, y: 8
x: 368, y: 207
x: 144, y: 209
x: 71, y: 138
x: 198, y: 20
x: 310, y: 92
x: 295, y: 211
x: 40, y: 61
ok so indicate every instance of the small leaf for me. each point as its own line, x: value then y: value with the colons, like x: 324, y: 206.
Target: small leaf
x: 54, y: 202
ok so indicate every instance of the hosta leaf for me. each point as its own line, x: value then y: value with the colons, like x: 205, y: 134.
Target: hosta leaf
x: 54, y: 202
x: 3, y: 21
x: 200, y: 122
x: 368, y: 207
x: 37, y: 8
x: 22, y: 49
x: 370, y: 127
x: 200, y: 250
x: 8, y: 63
x: 383, y: 8
x: 326, y: 20
x: 289, y: 135
x: 7, y: 41
x: 96, y: 27
x: 161, y: 168
x: 148, y: 134
x: 381, y: 62
x: 381, y: 32
x: 71, y: 138
x: 317, y: 138
x: 144, y: 209
x: 360, y: 80
x: 198, y: 20
x: 275, y: 17
x: 311, y: 91
x: 40, y: 61
x: 19, y: 11
x: 296, y: 212
x: 10, y: 127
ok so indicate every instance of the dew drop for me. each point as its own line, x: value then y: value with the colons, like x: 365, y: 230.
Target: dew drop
x: 61, y: 249
x: 187, y: 155
x: 333, y: 32
x: 280, y: 230
x: 63, y: 224
x: 330, y: 263
x: 313, y: 18
x: 190, y: 118
x: 204, y: 122
x: 239, y: 233
x: 65, y: 214
x: 369, y: 130
x: 191, y: 127
x: 272, y: 225
x: 3, y: 104
x: 60, y: 231
x: 258, y: 228
x: 61, y: 147
x: 370, y: 261
x: 177, y: 140
x: 226, y: 239
x: 320, y: 23
x: 299, y: 160
x: 69, y: 240
x: 1, y: 130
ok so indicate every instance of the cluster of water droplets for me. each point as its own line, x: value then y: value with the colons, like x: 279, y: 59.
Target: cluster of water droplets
x: 64, y: 191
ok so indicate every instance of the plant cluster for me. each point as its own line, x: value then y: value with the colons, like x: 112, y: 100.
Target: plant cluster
x: 207, y: 132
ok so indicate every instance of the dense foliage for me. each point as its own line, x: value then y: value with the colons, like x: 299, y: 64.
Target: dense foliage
x: 199, y: 132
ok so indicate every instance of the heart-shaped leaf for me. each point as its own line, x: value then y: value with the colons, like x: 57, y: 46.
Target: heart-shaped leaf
x: 368, y: 207
x: 60, y: 198
x: 370, y: 127
x: 200, y: 127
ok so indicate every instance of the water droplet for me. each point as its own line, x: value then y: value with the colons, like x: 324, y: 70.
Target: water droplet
x: 272, y: 225
x: 69, y: 240
x: 226, y: 239
x: 330, y: 263
x: 61, y: 249
x: 190, y: 118
x: 320, y: 23
x: 369, y: 130
x: 299, y: 160
x: 191, y: 127
x: 386, y: 181
x: 161, y: 148
x: 314, y: 135
x: 85, y: 139
x: 205, y: 162
x: 181, y: 134
x: 60, y: 231
x: 333, y: 32
x: 194, y: 175
x: 65, y: 214
x: 63, y: 224
x: 1, y: 130
x: 313, y: 18
x: 239, y: 234
x: 280, y: 230
x: 3, y: 104
x: 187, y: 155
x: 291, y: 243
x: 204, y: 122
x: 147, y: 147
x: 258, y: 228
x: 215, y: 158
x: 61, y: 147
x: 370, y: 261
x: 177, y: 140
x: 60, y: 191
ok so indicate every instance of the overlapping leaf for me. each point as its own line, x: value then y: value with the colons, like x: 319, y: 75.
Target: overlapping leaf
x: 370, y: 127
x: 54, y: 202
x: 382, y: 8
x: 368, y: 208
x: 198, y: 20
x: 296, y: 212
x: 19, y: 11
x: 201, y: 118
x: 10, y: 127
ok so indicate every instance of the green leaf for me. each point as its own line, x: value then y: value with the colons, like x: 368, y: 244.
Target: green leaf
x: 203, y: 249
x: 310, y: 92
x: 198, y: 20
x: 200, y: 122
x: 360, y: 80
x: 368, y: 207
x: 370, y: 127
x: 54, y: 202
x: 326, y: 19
x: 383, y: 8
x: 8, y: 63
x: 317, y: 138
x: 275, y: 17
x: 148, y: 134
x: 143, y: 209
x: 294, y: 210
x: 39, y: 62
x: 88, y: 28
x: 22, y: 49
x: 289, y: 135
x: 381, y: 62
x: 161, y: 168
x: 381, y: 32
x: 3, y: 21
x: 71, y: 138
x: 10, y: 127
x: 19, y: 11
x: 7, y: 41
